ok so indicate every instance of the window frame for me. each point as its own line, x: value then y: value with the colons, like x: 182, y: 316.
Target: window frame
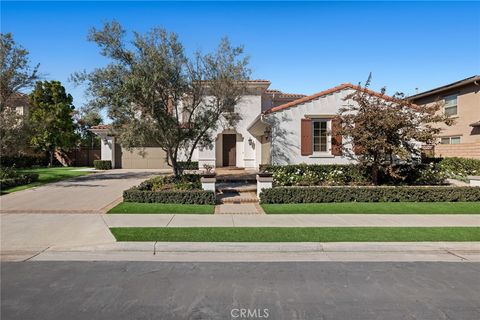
x: 450, y: 140
x: 445, y: 107
x: 328, y: 128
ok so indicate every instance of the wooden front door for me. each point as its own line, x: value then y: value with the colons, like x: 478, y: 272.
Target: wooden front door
x: 229, y: 150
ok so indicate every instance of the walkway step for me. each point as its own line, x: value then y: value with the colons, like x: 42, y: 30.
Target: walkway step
x: 246, y: 208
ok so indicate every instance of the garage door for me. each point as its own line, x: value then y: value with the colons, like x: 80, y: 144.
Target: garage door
x: 151, y: 158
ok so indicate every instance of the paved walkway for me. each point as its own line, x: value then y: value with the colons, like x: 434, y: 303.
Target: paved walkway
x: 292, y: 220
x: 86, y: 194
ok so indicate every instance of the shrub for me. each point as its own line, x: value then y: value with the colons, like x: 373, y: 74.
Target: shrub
x: 314, y: 175
x: 369, y: 194
x: 184, y: 182
x: 102, y: 164
x: 192, y: 165
x: 460, y: 168
x: 170, y: 196
x: 186, y: 189
x: 24, y: 161
x: 9, y: 178
x: 354, y: 175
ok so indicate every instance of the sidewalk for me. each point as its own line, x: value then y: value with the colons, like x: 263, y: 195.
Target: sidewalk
x: 256, y: 252
x: 292, y: 220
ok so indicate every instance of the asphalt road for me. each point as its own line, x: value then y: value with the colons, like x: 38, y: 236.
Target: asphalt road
x: 284, y: 290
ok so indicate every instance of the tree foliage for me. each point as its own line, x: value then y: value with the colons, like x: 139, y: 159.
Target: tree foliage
x: 16, y: 74
x: 157, y: 95
x: 51, y: 118
x: 85, y: 120
x: 384, y: 130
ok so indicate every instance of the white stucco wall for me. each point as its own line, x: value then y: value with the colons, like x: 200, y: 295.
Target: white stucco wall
x: 285, y: 147
x: 247, y: 155
x: 108, y: 149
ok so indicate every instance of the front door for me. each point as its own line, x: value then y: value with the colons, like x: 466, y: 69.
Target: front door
x: 229, y: 150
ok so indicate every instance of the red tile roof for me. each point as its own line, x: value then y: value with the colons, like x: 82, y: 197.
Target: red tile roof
x: 324, y: 93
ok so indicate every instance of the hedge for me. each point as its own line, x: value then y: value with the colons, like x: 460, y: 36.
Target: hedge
x: 21, y: 179
x: 369, y: 194
x: 102, y: 164
x: 181, y: 197
x: 24, y: 161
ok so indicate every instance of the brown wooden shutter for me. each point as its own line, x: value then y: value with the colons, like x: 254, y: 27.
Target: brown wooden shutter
x: 306, y: 146
x: 336, y: 137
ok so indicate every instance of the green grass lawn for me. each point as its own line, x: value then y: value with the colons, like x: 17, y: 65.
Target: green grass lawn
x: 375, y: 207
x: 135, y: 207
x: 48, y: 175
x: 330, y: 234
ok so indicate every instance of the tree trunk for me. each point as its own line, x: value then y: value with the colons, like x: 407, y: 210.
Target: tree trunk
x: 50, y: 161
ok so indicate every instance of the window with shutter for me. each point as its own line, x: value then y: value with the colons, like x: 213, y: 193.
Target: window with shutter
x: 306, y: 137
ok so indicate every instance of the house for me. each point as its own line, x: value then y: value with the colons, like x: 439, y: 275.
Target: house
x: 275, y: 127
x: 461, y: 101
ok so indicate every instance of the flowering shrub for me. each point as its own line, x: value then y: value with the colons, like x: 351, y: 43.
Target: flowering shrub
x: 316, y: 175
x: 460, y: 168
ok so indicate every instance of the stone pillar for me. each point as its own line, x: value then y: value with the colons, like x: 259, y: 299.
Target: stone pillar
x: 474, y: 181
x: 208, y: 183
x: 264, y: 181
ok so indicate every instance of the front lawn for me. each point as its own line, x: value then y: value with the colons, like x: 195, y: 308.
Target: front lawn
x: 137, y: 207
x: 375, y: 208
x: 274, y: 234
x: 48, y: 175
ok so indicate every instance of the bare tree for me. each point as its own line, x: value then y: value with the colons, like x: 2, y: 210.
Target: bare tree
x: 155, y: 94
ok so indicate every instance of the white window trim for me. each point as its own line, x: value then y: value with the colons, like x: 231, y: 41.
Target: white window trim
x: 328, y: 153
x: 450, y: 140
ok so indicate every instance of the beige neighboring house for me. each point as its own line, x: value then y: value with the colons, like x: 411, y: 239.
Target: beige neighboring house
x: 461, y: 101
x: 20, y: 102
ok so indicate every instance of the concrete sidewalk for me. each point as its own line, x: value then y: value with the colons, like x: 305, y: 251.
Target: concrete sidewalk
x: 292, y: 220
x: 252, y: 252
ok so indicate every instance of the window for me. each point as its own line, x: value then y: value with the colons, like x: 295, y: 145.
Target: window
x: 450, y: 140
x: 450, y: 107
x: 320, y: 136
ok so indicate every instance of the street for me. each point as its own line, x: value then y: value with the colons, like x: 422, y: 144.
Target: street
x: 273, y: 290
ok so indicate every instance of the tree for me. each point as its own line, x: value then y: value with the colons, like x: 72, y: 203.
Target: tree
x: 155, y: 94
x: 383, y: 129
x: 15, y: 76
x: 86, y: 119
x: 51, y: 118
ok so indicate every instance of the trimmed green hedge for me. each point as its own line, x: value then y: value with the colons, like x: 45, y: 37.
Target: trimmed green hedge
x: 182, y: 197
x: 102, y: 164
x: 369, y: 194
x: 24, y: 161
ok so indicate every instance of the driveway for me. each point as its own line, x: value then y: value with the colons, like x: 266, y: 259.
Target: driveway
x: 87, y: 194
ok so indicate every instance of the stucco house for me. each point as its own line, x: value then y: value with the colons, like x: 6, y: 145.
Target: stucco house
x: 275, y: 127
x: 461, y: 101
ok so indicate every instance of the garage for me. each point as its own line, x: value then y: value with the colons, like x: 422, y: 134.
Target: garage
x: 140, y: 158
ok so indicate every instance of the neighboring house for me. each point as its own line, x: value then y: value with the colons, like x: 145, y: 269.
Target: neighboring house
x: 275, y: 127
x: 20, y: 102
x: 461, y: 101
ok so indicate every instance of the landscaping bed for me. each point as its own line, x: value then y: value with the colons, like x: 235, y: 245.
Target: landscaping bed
x: 187, y: 189
x: 274, y: 234
x: 135, y: 207
x: 375, y: 208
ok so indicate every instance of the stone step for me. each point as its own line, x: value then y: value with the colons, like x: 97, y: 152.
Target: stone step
x: 240, y: 200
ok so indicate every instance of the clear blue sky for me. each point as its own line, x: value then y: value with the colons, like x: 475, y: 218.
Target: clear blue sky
x: 300, y: 47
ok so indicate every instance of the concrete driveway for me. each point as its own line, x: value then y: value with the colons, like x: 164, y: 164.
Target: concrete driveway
x: 87, y: 194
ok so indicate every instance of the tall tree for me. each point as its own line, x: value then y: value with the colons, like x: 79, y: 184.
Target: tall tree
x: 86, y: 119
x: 16, y: 74
x: 51, y: 118
x: 155, y: 94
x: 383, y: 129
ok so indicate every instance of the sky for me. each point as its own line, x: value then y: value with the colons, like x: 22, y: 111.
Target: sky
x: 301, y: 47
